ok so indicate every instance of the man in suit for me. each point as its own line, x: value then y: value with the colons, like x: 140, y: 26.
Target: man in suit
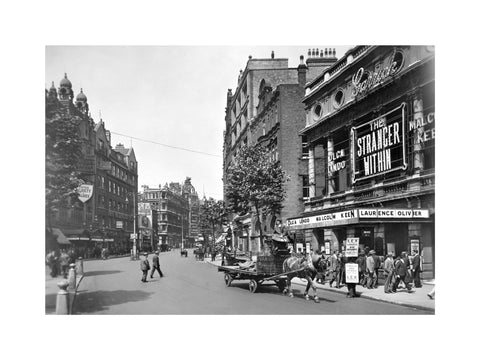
x: 335, y: 269
x: 145, y: 266
x: 377, y: 263
x: 388, y: 270
x: 156, y: 265
x: 370, y: 270
x: 401, y: 267
x: 416, y: 269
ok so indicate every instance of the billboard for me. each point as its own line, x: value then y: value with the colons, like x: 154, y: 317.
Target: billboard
x: 378, y: 146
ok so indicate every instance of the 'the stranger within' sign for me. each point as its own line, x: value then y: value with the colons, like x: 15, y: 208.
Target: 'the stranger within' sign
x: 378, y: 146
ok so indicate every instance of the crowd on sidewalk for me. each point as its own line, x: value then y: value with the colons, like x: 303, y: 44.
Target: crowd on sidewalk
x: 402, y: 271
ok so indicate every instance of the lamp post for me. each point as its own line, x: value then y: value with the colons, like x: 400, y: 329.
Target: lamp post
x: 134, y: 255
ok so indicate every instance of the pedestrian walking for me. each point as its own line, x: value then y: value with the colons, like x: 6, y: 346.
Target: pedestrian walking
x: 104, y: 254
x: 401, y: 270
x: 52, y: 262
x: 388, y: 271
x: 145, y: 266
x: 377, y: 263
x: 335, y: 269
x: 416, y: 269
x: 156, y: 265
x: 64, y: 261
x: 370, y: 269
x: 362, y: 268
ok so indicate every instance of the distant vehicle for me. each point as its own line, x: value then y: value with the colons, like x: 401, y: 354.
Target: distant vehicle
x: 164, y: 247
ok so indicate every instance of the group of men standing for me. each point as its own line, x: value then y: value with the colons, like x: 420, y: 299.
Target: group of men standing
x: 402, y: 269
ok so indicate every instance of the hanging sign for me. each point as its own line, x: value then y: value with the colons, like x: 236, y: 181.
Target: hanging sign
x: 85, y: 192
x: 378, y: 146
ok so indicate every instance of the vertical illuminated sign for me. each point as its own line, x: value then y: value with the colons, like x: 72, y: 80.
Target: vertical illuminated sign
x: 378, y: 146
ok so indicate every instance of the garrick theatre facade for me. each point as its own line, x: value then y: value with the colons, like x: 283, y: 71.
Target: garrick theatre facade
x: 370, y: 135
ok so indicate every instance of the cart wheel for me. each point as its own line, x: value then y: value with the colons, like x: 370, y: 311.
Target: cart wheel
x: 252, y: 286
x: 228, y: 279
x: 282, y: 284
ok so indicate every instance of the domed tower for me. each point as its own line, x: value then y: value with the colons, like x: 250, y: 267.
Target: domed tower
x: 52, y: 92
x: 65, y: 89
x: 81, y: 102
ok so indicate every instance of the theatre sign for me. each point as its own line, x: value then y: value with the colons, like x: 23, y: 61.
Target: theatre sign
x: 355, y: 216
x: 378, y: 146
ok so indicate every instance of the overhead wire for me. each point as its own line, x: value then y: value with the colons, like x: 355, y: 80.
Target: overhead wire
x: 169, y: 146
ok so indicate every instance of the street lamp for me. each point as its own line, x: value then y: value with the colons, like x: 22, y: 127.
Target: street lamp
x: 134, y: 255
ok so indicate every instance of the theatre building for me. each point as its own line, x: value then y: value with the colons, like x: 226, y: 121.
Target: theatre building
x: 370, y: 138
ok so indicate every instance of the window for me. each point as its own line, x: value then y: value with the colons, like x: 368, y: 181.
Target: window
x: 338, y: 99
x: 305, y: 187
x: 164, y: 206
x: 164, y: 227
x: 317, y: 111
x: 164, y: 217
x: 304, y: 146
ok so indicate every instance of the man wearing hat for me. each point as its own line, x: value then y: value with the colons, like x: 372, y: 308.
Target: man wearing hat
x: 145, y: 266
x: 388, y: 270
x: 370, y: 269
x: 156, y: 265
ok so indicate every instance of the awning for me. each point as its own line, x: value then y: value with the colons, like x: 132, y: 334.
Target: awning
x: 102, y: 240
x: 61, y: 239
x: 77, y: 238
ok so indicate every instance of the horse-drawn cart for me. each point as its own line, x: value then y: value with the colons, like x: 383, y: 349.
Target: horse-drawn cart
x: 265, y: 268
x: 256, y: 278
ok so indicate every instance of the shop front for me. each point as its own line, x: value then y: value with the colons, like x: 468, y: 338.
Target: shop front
x: 370, y: 134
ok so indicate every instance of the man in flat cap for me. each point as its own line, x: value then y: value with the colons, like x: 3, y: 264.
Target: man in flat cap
x: 156, y: 265
x: 145, y: 266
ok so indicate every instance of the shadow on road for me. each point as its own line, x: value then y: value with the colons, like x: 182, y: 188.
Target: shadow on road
x: 95, y: 301
x: 50, y: 303
x: 101, y: 272
x: 273, y: 289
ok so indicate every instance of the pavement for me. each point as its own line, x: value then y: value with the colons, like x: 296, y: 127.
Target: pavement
x: 51, y: 290
x: 416, y: 299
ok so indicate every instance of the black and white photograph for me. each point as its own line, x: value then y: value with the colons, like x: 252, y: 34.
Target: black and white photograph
x: 255, y: 179
x: 302, y: 183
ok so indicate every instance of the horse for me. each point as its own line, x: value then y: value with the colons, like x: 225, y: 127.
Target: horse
x: 299, y: 262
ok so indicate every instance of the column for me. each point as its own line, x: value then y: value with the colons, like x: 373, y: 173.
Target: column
x: 311, y: 171
x: 330, y: 181
x: 418, y: 132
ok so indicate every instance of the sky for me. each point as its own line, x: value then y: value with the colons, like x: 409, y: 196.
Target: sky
x: 170, y: 95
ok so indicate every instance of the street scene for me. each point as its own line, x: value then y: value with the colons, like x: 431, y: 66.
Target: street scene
x: 190, y: 287
x: 237, y: 180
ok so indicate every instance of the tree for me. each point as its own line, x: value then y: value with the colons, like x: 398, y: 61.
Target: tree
x: 62, y: 154
x: 212, y: 215
x: 255, y: 181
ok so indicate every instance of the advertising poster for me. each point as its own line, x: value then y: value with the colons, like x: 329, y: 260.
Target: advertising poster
x: 351, y: 273
x: 351, y: 247
x: 414, y: 245
x: 378, y: 146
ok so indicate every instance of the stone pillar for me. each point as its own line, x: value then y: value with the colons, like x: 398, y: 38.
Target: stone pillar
x: 418, y: 132
x: 330, y: 181
x: 63, y: 303
x: 311, y: 171
x: 80, y: 266
x: 72, y: 278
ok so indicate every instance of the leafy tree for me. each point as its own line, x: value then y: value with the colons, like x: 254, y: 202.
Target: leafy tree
x: 255, y: 181
x: 212, y: 215
x: 63, y: 151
